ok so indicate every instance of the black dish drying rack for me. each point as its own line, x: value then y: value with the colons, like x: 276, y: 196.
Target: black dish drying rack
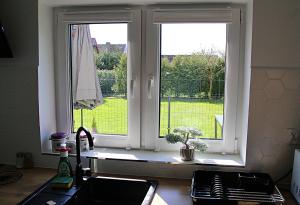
x: 227, y: 188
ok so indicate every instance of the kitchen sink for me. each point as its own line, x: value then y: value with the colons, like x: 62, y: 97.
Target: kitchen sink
x: 115, y: 191
x: 97, y: 190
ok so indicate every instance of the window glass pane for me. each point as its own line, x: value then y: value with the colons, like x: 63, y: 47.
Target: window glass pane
x: 109, y: 42
x: 192, y: 77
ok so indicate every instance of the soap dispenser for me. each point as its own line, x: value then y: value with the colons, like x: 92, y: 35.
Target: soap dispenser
x: 64, y: 165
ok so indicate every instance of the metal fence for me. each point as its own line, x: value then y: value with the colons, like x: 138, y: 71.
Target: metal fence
x: 188, y: 108
x: 192, y: 103
x: 203, y: 114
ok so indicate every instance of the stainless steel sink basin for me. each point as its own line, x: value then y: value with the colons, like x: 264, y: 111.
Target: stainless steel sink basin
x: 115, y: 191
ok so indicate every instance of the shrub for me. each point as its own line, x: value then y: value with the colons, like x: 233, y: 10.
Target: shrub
x: 107, y: 60
x: 120, y: 85
x: 107, y: 80
x: 193, y: 75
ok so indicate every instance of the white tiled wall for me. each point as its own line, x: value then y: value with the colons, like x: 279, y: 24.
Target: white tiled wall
x: 274, y: 107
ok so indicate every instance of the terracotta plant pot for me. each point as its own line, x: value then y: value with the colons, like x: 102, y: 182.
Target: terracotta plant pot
x: 187, y: 154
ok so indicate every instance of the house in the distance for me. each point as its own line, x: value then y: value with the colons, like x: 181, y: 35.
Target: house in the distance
x: 108, y: 47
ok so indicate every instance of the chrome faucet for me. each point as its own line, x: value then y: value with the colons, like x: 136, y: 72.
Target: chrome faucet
x: 79, y: 170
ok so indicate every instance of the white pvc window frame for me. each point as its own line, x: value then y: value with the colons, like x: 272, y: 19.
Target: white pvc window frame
x: 143, y: 70
x: 66, y: 17
x: 155, y: 17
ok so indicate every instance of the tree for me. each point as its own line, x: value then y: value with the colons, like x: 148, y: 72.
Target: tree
x: 184, y: 75
x: 192, y: 75
x: 108, y: 60
x: 166, y: 76
x: 106, y: 80
x: 120, y: 85
x: 214, y: 68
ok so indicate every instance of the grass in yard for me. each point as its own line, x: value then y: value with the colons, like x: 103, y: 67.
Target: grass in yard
x: 111, y: 117
x: 195, y: 113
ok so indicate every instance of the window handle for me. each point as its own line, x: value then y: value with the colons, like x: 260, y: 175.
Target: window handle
x: 150, y: 85
x: 132, y: 85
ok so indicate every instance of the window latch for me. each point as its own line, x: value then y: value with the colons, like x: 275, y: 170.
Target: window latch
x: 132, y: 85
x: 150, y: 85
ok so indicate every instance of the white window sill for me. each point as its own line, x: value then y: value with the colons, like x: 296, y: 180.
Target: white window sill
x: 171, y: 157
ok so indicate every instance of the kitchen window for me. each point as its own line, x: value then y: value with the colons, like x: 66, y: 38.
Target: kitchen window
x: 192, y: 77
x: 122, y: 109
x: 109, y: 56
x: 159, y: 94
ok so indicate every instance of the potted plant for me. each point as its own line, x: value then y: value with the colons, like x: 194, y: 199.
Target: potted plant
x: 187, y: 135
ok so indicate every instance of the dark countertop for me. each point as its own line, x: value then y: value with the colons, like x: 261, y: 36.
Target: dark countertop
x: 169, y: 192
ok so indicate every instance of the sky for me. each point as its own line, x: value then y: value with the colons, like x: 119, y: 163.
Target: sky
x: 176, y: 39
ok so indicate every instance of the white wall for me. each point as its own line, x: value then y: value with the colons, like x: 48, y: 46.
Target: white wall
x: 275, y: 85
x: 21, y: 27
x: 46, y: 76
x: 19, y: 115
x: 19, y: 80
x: 276, y: 33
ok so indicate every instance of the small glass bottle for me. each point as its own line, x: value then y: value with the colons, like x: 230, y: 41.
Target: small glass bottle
x: 64, y: 165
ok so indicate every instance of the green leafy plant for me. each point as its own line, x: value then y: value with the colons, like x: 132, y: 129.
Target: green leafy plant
x: 108, y: 60
x: 186, y: 136
x: 120, y: 85
x: 189, y: 75
x: 94, y: 125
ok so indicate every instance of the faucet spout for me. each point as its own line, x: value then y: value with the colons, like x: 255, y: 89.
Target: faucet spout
x: 79, y: 171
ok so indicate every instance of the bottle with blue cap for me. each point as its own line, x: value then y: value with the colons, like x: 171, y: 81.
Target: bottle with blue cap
x: 64, y: 178
x: 64, y: 166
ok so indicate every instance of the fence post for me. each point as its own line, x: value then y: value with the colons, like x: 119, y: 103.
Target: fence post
x: 169, y: 114
x: 200, y: 88
x: 219, y: 88
x: 81, y: 117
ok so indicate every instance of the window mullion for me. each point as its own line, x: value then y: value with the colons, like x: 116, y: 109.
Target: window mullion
x: 150, y: 71
x: 134, y: 79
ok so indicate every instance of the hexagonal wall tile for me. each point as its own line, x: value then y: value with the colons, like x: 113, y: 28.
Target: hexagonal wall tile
x: 258, y: 104
x: 288, y: 108
x: 284, y: 139
x: 270, y: 131
x: 253, y: 163
x: 269, y: 164
x: 254, y: 154
x: 274, y: 89
x: 255, y: 151
x: 258, y: 154
x: 291, y: 97
x: 258, y: 79
x: 276, y: 114
x: 267, y: 147
x: 274, y: 74
x: 291, y: 80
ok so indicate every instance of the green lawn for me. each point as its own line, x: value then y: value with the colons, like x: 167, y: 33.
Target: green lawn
x: 111, y: 117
